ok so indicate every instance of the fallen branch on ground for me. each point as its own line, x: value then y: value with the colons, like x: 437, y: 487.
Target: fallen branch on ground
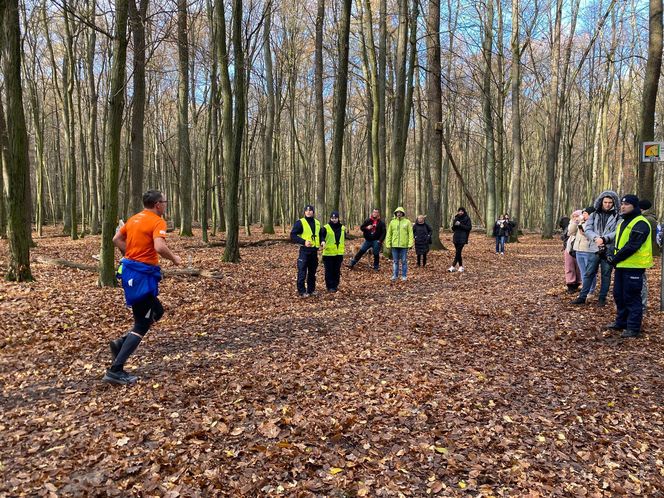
x: 184, y: 272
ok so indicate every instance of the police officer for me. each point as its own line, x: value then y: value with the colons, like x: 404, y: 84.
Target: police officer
x: 333, y: 236
x: 306, y: 233
x: 632, y: 255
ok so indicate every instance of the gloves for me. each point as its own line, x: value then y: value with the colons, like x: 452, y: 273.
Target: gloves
x: 611, y: 259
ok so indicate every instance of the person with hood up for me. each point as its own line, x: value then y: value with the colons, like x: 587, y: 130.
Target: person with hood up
x: 461, y: 227
x: 631, y: 257
x: 422, y: 235
x: 306, y: 233
x: 333, y: 237
x: 600, y: 230
x: 373, y: 230
x: 399, y: 238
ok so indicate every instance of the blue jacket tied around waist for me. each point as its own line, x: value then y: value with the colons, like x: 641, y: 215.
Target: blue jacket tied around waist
x: 138, y: 280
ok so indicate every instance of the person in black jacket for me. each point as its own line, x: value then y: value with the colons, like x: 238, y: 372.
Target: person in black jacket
x: 374, y: 232
x: 306, y: 232
x: 501, y: 231
x: 461, y: 227
x: 422, y: 235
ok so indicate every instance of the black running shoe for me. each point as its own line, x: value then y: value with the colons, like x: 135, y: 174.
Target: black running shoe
x: 121, y: 378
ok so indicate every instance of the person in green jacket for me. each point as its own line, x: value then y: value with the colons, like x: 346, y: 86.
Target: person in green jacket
x: 399, y: 238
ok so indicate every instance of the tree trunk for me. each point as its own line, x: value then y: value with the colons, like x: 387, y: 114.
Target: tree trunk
x: 396, y: 166
x: 137, y: 146
x: 268, y: 156
x: 374, y: 135
x: 434, y: 121
x: 114, y: 145
x: 184, y: 149
x: 515, y: 184
x: 92, y: 123
x: 17, y: 166
x: 487, y: 112
x: 233, y: 126
x: 341, y: 94
x: 68, y: 80
x: 650, y: 85
x: 321, y: 158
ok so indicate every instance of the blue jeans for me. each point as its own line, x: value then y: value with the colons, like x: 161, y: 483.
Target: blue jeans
x: 594, y: 264
x: 399, y: 254
x: 500, y: 243
x: 582, y: 260
x: 374, y: 245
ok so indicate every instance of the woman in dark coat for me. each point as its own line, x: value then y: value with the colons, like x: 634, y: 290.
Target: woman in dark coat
x: 461, y: 227
x: 422, y: 235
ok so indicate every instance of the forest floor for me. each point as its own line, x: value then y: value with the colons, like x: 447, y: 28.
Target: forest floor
x: 486, y: 383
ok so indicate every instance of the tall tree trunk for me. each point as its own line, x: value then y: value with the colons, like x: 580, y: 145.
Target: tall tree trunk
x: 92, y: 121
x: 374, y: 135
x: 487, y: 112
x: 646, y: 172
x: 382, y: 78
x: 321, y: 158
x: 341, y: 94
x: 515, y: 184
x: 396, y: 166
x: 268, y: 156
x: 68, y: 80
x: 233, y: 121
x: 184, y: 149
x: 113, y: 145
x: 137, y: 144
x: 16, y: 167
x: 434, y: 121
x: 553, y: 126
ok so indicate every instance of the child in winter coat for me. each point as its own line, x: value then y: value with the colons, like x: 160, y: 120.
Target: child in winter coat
x: 422, y: 235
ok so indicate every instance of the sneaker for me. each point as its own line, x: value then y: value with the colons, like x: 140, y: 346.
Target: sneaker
x: 403, y: 279
x: 115, y: 347
x: 601, y: 302
x: 613, y: 326
x: 579, y: 300
x: 451, y: 269
x: 351, y: 263
x: 121, y: 378
x: 304, y: 294
x: 461, y: 269
x: 393, y: 279
x: 376, y: 268
x: 627, y: 333
x: 502, y: 254
x: 332, y: 290
x: 313, y: 293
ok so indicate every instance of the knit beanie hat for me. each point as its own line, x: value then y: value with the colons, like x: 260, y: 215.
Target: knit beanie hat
x: 630, y: 199
x: 589, y: 210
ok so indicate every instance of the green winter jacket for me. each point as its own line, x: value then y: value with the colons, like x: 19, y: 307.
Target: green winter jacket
x: 399, y: 232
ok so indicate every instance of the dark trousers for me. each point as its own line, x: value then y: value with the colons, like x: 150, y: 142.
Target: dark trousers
x: 374, y: 245
x: 307, y: 263
x: 422, y: 259
x: 332, y: 271
x: 457, y: 256
x: 146, y: 311
x: 627, y: 285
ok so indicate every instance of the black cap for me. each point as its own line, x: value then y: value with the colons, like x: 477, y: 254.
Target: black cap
x: 630, y: 199
x: 645, y: 204
x: 308, y: 207
x: 334, y: 214
x: 589, y: 210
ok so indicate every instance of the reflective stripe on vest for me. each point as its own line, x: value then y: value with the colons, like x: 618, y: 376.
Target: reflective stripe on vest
x: 308, y: 235
x: 331, y: 248
x: 642, y: 258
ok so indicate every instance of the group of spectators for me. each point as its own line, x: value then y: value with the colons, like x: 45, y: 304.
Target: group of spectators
x: 613, y: 233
